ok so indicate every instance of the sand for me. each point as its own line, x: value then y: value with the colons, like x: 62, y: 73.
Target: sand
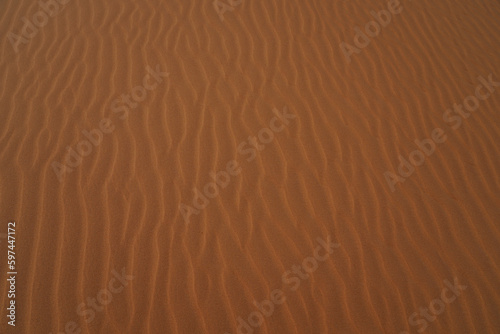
x: 248, y: 166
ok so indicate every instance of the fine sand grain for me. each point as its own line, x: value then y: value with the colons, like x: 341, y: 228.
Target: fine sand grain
x: 374, y: 208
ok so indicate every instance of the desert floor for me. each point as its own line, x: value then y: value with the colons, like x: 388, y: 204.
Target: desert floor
x: 244, y: 166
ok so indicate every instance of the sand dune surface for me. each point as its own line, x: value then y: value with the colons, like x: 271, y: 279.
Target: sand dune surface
x: 237, y: 166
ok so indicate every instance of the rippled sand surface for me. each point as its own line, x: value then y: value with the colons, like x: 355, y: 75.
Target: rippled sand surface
x: 356, y: 166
